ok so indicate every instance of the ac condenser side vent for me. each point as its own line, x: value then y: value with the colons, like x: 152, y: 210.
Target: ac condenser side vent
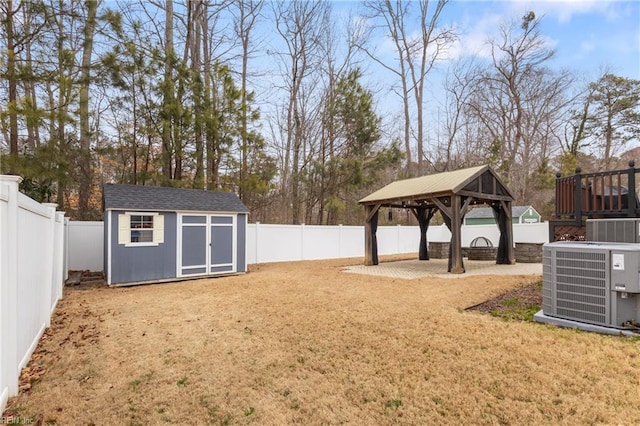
x: 548, y: 286
x: 613, y: 230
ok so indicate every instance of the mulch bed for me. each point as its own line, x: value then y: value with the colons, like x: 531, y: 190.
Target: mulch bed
x: 526, y: 296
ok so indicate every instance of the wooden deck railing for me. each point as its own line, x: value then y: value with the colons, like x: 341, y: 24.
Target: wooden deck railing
x: 609, y: 194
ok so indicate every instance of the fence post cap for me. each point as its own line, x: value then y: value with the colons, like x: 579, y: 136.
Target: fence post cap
x: 632, y: 163
x: 11, y: 178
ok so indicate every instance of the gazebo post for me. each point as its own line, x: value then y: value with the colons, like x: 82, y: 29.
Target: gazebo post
x: 370, y: 240
x: 457, y: 267
x: 452, y: 216
x: 423, y: 215
x: 504, y: 219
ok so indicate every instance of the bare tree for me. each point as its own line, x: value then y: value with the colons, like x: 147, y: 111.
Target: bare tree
x: 519, y: 101
x: 246, y: 14
x: 299, y: 25
x: 573, y: 134
x: 417, y: 55
x: 455, y: 123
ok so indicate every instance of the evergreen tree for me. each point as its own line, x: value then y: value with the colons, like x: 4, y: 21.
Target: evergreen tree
x: 356, y: 159
x: 614, y: 116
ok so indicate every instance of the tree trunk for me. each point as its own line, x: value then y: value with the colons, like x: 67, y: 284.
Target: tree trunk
x: 84, y: 162
x: 168, y: 96
x: 12, y: 81
x: 608, y: 137
x: 199, y: 19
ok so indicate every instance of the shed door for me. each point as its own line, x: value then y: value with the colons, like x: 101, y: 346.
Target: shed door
x: 193, y: 245
x: 206, y: 244
x: 222, y: 245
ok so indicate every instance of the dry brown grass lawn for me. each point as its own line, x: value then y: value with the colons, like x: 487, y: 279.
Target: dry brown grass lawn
x: 306, y: 343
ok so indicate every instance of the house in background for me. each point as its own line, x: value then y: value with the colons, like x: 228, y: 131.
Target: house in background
x: 158, y: 234
x: 484, y: 215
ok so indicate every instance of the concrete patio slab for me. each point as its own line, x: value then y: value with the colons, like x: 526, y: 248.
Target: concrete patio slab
x: 411, y: 269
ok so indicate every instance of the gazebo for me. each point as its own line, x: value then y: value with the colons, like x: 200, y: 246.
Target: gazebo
x: 451, y: 193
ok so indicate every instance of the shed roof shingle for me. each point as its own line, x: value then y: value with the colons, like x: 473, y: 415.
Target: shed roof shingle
x: 149, y: 198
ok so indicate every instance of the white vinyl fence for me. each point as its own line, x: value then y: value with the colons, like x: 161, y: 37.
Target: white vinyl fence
x: 280, y: 243
x: 277, y: 243
x: 85, y: 245
x: 32, y: 272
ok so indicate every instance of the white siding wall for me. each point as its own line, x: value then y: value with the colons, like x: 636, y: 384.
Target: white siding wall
x: 31, y: 278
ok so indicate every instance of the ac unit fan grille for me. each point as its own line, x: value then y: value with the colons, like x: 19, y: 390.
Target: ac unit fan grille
x: 581, y: 255
x: 581, y: 286
x: 581, y: 289
x: 586, y: 302
x: 582, y: 273
x: 584, y: 316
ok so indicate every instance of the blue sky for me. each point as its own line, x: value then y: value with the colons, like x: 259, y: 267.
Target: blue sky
x: 587, y: 35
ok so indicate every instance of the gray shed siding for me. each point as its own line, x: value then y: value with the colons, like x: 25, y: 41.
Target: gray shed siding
x: 241, y: 255
x: 105, y: 245
x: 140, y: 264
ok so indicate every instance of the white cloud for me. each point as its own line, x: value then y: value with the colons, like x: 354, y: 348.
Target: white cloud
x: 587, y: 46
x: 479, y: 30
x: 474, y: 34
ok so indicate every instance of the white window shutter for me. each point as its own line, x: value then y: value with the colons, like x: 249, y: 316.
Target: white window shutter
x: 158, y: 229
x: 124, y: 229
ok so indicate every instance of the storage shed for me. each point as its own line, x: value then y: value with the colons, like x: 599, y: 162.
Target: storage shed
x: 158, y: 234
x: 485, y: 215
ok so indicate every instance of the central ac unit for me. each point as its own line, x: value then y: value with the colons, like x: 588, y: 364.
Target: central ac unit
x: 623, y: 230
x: 594, y: 283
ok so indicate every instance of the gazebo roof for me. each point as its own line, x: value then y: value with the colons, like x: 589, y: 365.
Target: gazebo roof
x: 480, y: 182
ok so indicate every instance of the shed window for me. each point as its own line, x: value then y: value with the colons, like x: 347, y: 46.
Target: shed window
x: 141, y: 229
x: 137, y: 229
